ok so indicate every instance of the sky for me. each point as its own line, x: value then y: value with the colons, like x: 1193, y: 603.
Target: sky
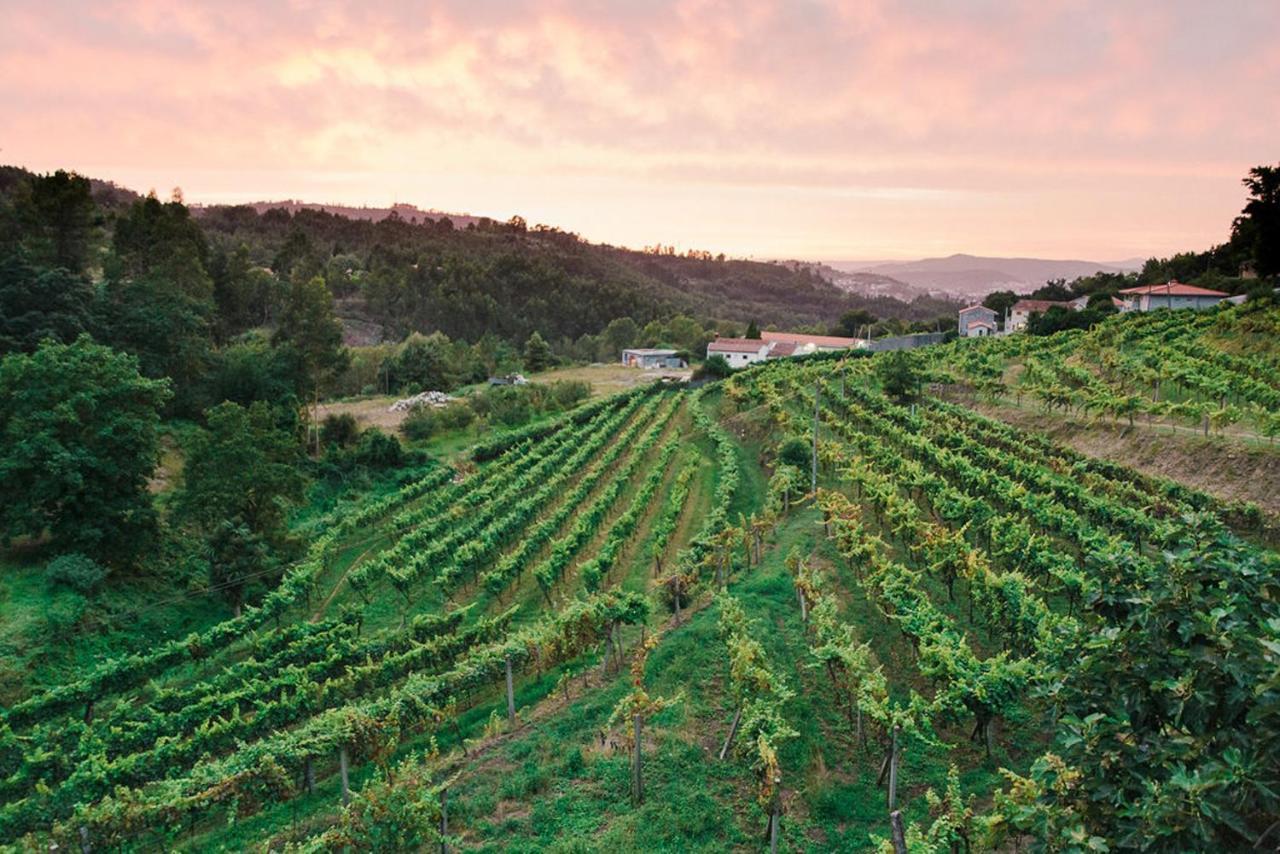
x: 862, y: 130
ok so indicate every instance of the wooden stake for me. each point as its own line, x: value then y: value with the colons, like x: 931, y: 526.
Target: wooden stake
x: 893, y: 770
x: 899, y: 835
x: 637, y: 781
x: 342, y: 766
x: 444, y: 820
x: 511, y: 697
x: 733, y: 732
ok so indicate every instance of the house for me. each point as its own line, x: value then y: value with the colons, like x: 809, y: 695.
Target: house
x: 803, y: 343
x: 1024, y: 308
x: 1080, y: 303
x: 651, y: 359
x: 977, y: 321
x: 739, y: 352
x: 1169, y: 295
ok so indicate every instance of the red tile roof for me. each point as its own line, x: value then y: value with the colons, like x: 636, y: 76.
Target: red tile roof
x: 973, y: 323
x: 782, y: 348
x: 1176, y: 289
x: 737, y: 345
x: 816, y: 340
x: 1041, y: 305
x: 977, y: 305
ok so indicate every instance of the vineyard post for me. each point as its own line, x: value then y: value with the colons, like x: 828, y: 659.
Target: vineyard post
x: 342, y: 767
x: 733, y: 731
x: 84, y: 840
x: 511, y: 697
x: 637, y: 782
x: 444, y: 820
x: 899, y: 836
x: 893, y: 769
x: 813, y: 462
x: 774, y: 820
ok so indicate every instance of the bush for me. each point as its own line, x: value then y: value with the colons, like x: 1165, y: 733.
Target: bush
x: 378, y: 450
x: 714, y: 368
x: 796, y: 452
x: 341, y: 430
x: 421, y: 423
x: 455, y: 416
x: 75, y: 571
x: 566, y: 394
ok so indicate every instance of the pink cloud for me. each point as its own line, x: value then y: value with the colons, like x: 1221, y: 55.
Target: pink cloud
x: 951, y: 125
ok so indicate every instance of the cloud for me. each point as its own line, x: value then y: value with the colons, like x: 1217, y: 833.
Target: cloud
x: 953, y: 109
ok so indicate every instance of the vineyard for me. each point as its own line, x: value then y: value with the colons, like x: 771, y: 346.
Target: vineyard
x: 644, y: 625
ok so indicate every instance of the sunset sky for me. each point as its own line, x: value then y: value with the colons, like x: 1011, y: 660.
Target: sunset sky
x: 1100, y: 130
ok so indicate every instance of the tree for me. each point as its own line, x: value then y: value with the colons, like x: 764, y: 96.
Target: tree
x: 1256, y: 232
x: 1054, y: 289
x: 237, y: 556
x: 854, y: 323
x: 244, y: 466
x: 40, y: 302
x: 900, y: 376
x: 537, y: 355
x: 796, y: 452
x: 308, y: 325
x: 78, y: 441
x: 59, y: 221
x: 1000, y: 302
x: 753, y: 331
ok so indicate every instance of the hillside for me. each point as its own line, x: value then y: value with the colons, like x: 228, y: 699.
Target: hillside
x: 487, y: 640
x: 972, y: 276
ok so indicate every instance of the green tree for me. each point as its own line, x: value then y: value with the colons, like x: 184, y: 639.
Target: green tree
x: 753, y: 331
x: 59, y: 221
x: 537, y: 354
x: 716, y: 367
x: 40, y: 302
x: 1000, y: 302
x: 1256, y: 232
x: 309, y: 326
x: 244, y: 466
x: 78, y: 441
x: 237, y: 556
x: 854, y: 323
x: 900, y: 376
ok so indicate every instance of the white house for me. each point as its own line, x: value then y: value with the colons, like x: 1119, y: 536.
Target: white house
x: 739, y: 352
x: 649, y: 359
x: 1024, y: 308
x: 1169, y: 295
x: 977, y: 321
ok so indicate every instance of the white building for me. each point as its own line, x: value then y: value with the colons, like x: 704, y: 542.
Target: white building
x: 650, y: 359
x: 1169, y: 295
x: 1024, y: 308
x: 977, y: 321
x: 739, y: 352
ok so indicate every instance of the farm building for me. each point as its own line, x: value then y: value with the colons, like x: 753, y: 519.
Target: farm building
x: 977, y: 321
x: 739, y: 352
x: 1024, y: 308
x: 651, y: 359
x: 1169, y: 295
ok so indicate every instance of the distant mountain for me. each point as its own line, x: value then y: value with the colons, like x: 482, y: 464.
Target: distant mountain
x: 975, y: 275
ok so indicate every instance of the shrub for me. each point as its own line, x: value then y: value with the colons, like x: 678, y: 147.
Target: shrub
x: 795, y: 452
x: 455, y: 416
x: 714, y: 368
x: 341, y: 429
x: 421, y: 423
x: 378, y: 450
x: 75, y: 571
x: 566, y: 394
